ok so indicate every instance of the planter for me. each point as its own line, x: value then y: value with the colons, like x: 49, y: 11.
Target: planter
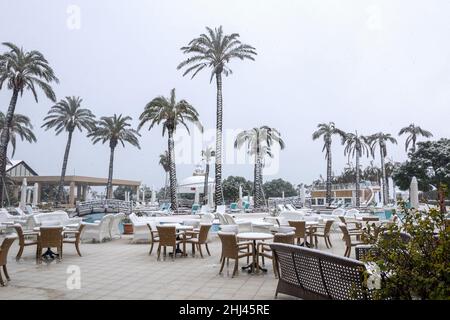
x: 127, y: 228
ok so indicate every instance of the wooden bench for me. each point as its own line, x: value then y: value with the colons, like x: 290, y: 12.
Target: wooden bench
x: 313, y: 274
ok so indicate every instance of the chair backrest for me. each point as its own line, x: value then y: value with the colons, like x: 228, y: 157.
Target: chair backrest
x: 204, y: 209
x: 20, y: 212
x: 19, y: 231
x: 167, y: 235
x: 221, y: 209
x: 50, y: 236
x: 203, y: 233
x: 117, y: 218
x: 287, y: 238
x: 152, y: 227
x: 105, y: 223
x: 246, y: 205
x: 4, y: 248
x: 29, y: 209
x: 342, y: 219
x: 229, y: 219
x: 229, y: 244
x: 290, y: 207
x: 207, y: 218
x: 230, y: 228
x: 281, y: 207
x: 195, y: 207
x: 352, y: 212
x: 314, y: 274
x: 222, y: 219
x: 134, y: 218
x: 233, y: 206
x: 300, y: 228
x: 327, y: 228
x: 338, y: 212
x: 347, y: 239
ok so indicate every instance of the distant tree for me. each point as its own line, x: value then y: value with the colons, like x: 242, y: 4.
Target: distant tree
x: 215, y: 50
x: 231, y: 187
x: 327, y: 130
x: 430, y: 164
x: 275, y: 188
x: 413, y: 132
x: 119, y: 192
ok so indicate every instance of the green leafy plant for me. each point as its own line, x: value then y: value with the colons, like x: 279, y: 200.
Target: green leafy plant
x: 417, y: 267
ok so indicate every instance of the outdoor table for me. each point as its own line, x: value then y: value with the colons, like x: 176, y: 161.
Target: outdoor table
x: 254, y: 236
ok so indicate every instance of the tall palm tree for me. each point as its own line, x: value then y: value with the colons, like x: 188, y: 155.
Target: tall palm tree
x: 380, y: 140
x: 214, y: 50
x: 20, y: 126
x: 171, y: 114
x: 164, y: 161
x: 67, y: 115
x: 114, y: 129
x: 259, y: 143
x: 413, y: 132
x: 21, y: 70
x: 327, y: 130
x: 207, y: 154
x: 356, y: 146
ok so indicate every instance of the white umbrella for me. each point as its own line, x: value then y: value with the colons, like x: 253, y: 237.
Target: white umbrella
x: 153, y: 196
x: 35, y: 194
x: 240, y: 195
x: 28, y: 195
x: 137, y: 195
x: 23, y: 194
x: 302, y: 194
x: 282, y: 195
x: 414, y: 193
x: 197, y: 196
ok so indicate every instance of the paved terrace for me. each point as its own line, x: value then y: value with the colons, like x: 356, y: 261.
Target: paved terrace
x: 119, y: 269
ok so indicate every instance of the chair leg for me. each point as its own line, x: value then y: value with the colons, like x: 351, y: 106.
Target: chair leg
x: 77, y: 246
x: 200, y: 250
x: 207, y: 249
x: 274, y: 266
x: 329, y: 241
x: 193, y: 251
x: 223, y: 264
x: 151, y: 249
x: 1, y: 280
x: 174, y: 250
x: 19, y: 254
x: 316, y: 241
x: 158, y: 251
x: 6, y: 272
x: 235, y: 267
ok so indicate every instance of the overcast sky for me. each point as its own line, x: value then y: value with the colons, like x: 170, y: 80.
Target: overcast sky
x: 366, y: 65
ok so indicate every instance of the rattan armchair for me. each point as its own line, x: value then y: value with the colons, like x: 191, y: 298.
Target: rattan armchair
x: 49, y: 237
x: 300, y: 231
x: 197, y: 238
x: 154, y: 237
x: 264, y: 250
x: 349, y: 243
x: 324, y: 232
x: 73, y: 236
x: 4, y: 248
x: 23, y: 241
x: 168, y: 238
x: 232, y: 249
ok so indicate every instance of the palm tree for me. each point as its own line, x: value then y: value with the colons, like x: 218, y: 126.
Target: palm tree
x: 413, y: 132
x: 259, y: 143
x: 356, y: 146
x: 67, y: 115
x: 381, y: 139
x: 207, y: 154
x: 114, y: 129
x: 171, y: 114
x: 21, y: 71
x: 214, y: 50
x: 327, y: 130
x: 164, y: 161
x: 20, y: 126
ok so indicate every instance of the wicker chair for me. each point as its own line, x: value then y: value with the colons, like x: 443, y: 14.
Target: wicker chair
x: 349, y: 243
x: 300, y: 231
x: 168, y: 238
x: 154, y: 237
x: 264, y: 250
x: 324, y: 232
x: 4, y: 248
x: 115, y: 221
x: 197, y: 238
x: 232, y: 249
x: 73, y: 236
x: 23, y: 241
x: 357, y: 227
x: 49, y: 237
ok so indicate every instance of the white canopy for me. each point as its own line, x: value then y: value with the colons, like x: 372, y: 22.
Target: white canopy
x: 194, y: 183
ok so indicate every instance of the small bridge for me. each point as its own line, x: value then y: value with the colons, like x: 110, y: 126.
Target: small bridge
x: 103, y: 206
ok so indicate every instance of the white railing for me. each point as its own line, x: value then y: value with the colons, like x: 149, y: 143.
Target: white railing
x: 104, y: 205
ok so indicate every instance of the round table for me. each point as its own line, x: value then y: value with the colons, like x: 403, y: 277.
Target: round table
x: 254, y: 236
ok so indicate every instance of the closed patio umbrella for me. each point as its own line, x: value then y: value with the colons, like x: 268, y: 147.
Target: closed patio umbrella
x: 302, y: 194
x: 153, y: 195
x: 35, y: 194
x: 414, y: 193
x: 23, y: 194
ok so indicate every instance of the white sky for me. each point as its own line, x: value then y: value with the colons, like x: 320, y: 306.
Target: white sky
x: 366, y: 65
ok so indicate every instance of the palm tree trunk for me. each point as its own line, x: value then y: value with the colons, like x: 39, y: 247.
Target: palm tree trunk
x: 64, y: 167
x: 172, y: 173
x: 358, y: 202
x: 166, y: 185
x: 413, y: 149
x: 205, y: 186
x: 4, y: 141
x: 110, y: 174
x: 218, y: 156
x: 328, y: 191
x: 383, y: 178
x: 257, y: 185
x: 441, y: 199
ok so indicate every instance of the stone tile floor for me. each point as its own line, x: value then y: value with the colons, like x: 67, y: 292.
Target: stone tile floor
x: 119, y: 269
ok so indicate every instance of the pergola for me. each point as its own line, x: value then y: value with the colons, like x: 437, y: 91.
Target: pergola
x: 78, y: 183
